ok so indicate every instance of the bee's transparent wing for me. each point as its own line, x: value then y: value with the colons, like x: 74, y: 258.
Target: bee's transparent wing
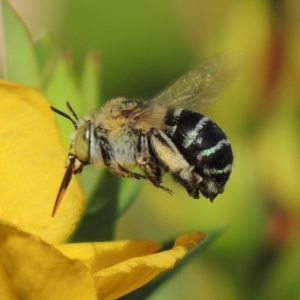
x: 201, y: 85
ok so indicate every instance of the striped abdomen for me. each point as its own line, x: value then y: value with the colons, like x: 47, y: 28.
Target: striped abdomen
x: 204, y: 145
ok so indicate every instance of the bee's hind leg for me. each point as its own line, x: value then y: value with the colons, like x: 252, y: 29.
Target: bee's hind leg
x: 171, y: 160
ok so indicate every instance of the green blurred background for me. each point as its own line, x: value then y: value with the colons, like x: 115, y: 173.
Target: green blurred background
x: 143, y: 45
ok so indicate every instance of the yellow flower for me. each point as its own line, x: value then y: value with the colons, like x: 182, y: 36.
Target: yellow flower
x: 32, y: 263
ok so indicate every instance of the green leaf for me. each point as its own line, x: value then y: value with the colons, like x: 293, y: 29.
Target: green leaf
x: 89, y: 179
x: 145, y: 291
x: 100, y: 216
x: 59, y: 89
x: 90, y: 87
x: 108, y: 197
x: 21, y: 61
x: 129, y: 189
x: 47, y: 52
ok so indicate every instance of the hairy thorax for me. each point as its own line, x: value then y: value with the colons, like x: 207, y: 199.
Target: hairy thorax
x: 120, y: 121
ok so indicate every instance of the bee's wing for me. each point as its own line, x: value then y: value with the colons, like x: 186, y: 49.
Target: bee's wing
x: 201, y: 85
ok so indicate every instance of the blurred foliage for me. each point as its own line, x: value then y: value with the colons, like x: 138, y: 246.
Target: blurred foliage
x: 144, y: 45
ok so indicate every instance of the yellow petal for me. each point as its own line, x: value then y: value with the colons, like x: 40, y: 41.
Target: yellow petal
x: 121, y: 279
x: 32, y: 166
x: 32, y: 269
x: 105, y: 254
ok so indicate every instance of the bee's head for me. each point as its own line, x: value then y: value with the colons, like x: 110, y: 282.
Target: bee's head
x: 81, y: 143
x: 79, y: 153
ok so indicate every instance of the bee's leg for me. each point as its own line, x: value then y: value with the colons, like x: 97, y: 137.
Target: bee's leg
x: 127, y: 173
x: 173, y: 161
x: 148, y: 163
x: 154, y: 174
x: 112, y: 165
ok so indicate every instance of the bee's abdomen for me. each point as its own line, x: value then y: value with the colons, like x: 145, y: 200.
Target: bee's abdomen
x: 204, y: 145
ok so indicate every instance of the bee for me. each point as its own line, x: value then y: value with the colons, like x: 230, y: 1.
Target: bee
x: 163, y: 134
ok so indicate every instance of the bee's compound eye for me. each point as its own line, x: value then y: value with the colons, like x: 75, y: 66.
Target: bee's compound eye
x: 82, y: 142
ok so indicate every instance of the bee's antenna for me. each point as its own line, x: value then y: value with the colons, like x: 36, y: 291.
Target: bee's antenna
x: 65, y: 115
x: 72, y: 111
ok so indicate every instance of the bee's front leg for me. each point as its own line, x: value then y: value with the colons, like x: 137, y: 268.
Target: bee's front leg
x: 118, y: 170
x: 113, y: 165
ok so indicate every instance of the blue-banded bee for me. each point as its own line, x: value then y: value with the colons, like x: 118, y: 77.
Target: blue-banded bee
x: 160, y: 135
